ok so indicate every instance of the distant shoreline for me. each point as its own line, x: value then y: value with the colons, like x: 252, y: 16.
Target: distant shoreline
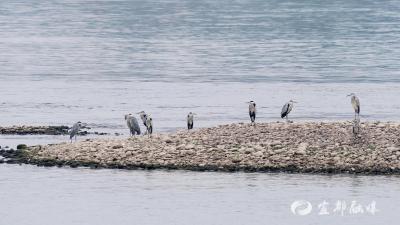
x: 303, y: 147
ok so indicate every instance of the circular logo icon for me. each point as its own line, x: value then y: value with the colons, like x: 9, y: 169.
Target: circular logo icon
x: 301, y: 208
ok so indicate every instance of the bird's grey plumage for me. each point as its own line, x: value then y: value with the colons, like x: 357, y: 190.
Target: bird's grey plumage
x: 190, y: 118
x: 143, y: 117
x: 355, y: 102
x: 132, y: 124
x: 252, y: 111
x: 149, y: 125
x: 286, y: 109
x: 74, y: 130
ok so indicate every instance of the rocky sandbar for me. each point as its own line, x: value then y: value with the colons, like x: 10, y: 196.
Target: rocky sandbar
x: 312, y: 147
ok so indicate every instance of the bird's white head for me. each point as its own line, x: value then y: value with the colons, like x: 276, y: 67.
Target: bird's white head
x: 292, y: 101
x: 141, y: 112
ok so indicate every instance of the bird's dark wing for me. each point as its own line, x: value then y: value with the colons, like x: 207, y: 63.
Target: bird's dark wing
x: 285, y: 109
x: 358, y: 105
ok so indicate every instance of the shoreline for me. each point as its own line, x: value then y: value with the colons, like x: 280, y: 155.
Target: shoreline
x: 304, y: 147
x: 43, y: 130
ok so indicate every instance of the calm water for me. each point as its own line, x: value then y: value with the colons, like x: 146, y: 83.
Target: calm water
x: 94, y: 61
x: 82, y: 196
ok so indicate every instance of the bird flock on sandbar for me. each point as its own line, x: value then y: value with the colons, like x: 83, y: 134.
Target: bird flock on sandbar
x: 134, y: 128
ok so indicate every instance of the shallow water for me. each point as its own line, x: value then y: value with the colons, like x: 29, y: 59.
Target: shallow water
x: 94, y: 61
x: 32, y: 195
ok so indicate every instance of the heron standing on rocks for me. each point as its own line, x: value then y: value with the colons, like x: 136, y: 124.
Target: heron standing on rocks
x: 149, y: 125
x: 252, y: 111
x: 286, y: 109
x: 190, y: 118
x: 355, y: 102
x: 74, y: 130
x: 143, y: 117
x: 133, y: 124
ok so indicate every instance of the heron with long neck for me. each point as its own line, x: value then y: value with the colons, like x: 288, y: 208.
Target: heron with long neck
x: 143, y: 117
x: 252, y: 111
x: 286, y: 109
x: 355, y: 102
x: 75, y: 130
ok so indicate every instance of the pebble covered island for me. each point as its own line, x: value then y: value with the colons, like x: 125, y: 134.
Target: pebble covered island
x: 307, y: 147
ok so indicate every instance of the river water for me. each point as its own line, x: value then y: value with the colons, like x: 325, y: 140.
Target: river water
x: 94, y: 61
x: 32, y: 195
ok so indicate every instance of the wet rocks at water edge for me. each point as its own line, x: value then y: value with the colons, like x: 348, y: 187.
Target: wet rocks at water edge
x: 44, y: 130
x: 22, y: 146
x: 30, y: 130
x: 310, y: 147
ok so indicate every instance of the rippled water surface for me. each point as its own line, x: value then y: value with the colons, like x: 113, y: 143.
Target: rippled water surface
x: 63, y: 61
x: 203, y: 41
x: 94, y: 61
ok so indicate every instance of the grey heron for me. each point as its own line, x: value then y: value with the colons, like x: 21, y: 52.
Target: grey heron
x: 74, y: 130
x: 355, y: 102
x: 190, y: 118
x: 252, y: 111
x: 133, y: 124
x: 149, y: 125
x: 286, y: 109
x: 143, y: 117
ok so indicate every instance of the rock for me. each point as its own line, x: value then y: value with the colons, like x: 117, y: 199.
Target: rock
x: 393, y: 149
x: 301, y: 149
x: 22, y: 146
